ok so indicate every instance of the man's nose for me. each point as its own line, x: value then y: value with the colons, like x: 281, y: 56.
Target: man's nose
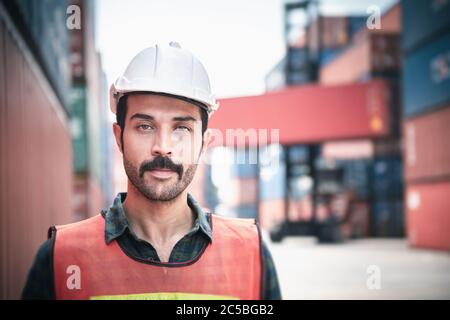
x: 163, y: 145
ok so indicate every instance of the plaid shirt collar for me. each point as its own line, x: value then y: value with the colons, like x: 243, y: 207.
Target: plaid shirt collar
x: 116, y: 221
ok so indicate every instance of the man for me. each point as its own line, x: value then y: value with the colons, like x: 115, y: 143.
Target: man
x: 155, y: 242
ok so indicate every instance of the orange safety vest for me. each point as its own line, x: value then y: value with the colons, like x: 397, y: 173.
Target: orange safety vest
x: 85, y: 267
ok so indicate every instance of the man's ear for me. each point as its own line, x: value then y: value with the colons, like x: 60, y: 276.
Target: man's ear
x: 117, y: 134
x: 207, y: 140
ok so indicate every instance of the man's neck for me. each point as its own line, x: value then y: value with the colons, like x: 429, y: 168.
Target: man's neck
x: 162, y: 223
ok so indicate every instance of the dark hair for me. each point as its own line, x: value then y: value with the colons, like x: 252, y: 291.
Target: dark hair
x: 121, y: 115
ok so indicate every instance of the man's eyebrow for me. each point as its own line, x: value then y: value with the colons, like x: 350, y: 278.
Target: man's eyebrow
x: 185, y: 118
x: 141, y: 116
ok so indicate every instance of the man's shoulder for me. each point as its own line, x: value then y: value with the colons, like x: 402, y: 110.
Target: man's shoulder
x: 82, y: 224
x: 76, y: 233
x: 232, y: 221
x: 246, y: 228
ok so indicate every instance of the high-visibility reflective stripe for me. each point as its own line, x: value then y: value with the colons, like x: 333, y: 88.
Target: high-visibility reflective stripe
x: 163, y: 296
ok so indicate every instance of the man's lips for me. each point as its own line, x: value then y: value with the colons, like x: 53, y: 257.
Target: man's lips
x: 162, y: 173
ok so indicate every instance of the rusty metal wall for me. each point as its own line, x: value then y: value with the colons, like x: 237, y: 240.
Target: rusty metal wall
x: 35, y: 160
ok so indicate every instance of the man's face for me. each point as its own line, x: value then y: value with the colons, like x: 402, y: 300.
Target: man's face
x: 162, y: 144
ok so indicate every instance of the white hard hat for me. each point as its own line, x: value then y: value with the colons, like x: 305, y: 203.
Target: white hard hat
x: 169, y: 70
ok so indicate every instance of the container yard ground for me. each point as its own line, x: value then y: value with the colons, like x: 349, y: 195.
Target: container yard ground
x: 308, y: 270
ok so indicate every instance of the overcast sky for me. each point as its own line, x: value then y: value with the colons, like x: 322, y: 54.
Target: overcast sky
x: 238, y: 41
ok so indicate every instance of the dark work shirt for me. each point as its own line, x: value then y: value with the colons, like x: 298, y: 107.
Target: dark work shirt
x: 40, y: 282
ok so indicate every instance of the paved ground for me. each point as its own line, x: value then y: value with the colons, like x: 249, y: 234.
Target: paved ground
x: 311, y: 271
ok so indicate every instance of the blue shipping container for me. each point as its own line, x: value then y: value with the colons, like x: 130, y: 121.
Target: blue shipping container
x: 356, y: 176
x: 355, y: 24
x: 245, y: 163
x: 387, y: 178
x: 46, y: 23
x: 426, y: 78
x: 272, y: 183
x: 421, y: 20
x: 327, y: 55
x: 388, y: 219
x: 245, y: 211
x: 298, y: 154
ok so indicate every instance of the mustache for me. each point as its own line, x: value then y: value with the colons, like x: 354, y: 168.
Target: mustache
x: 160, y: 162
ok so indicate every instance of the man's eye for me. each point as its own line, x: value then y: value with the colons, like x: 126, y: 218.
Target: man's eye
x: 183, y: 128
x: 144, y: 127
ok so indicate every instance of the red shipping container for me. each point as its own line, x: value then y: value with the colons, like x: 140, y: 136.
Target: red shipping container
x: 271, y: 212
x: 376, y: 52
x: 427, y: 146
x: 391, y: 22
x: 334, y: 32
x: 428, y: 215
x: 306, y: 114
x: 244, y: 191
x: 36, y: 160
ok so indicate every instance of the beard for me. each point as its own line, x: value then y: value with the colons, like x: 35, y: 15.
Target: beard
x: 166, y: 190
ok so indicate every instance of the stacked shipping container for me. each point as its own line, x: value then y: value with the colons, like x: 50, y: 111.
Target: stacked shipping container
x: 376, y: 54
x: 272, y: 177
x: 36, y: 159
x: 244, y: 183
x: 426, y: 95
x: 298, y: 67
x: 275, y: 182
x: 92, y: 136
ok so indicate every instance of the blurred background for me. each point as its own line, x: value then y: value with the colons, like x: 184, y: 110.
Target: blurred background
x: 352, y: 193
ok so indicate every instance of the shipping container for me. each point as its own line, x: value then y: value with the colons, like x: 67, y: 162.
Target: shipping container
x: 272, y: 183
x: 347, y: 150
x: 44, y: 30
x: 78, y: 126
x: 426, y: 77
x: 90, y: 112
x: 271, y: 212
x: 358, y: 225
x: 322, y: 112
x: 88, y: 199
x: 243, y: 191
x: 423, y: 20
x: 356, y: 24
x: 327, y: 55
x: 36, y: 160
x: 387, y: 178
x: 389, y: 147
x: 107, y: 145
x: 245, y: 211
x: 298, y: 154
x: 390, y: 22
x: 428, y: 218
x: 387, y: 218
x: 427, y: 146
x: 245, y: 163
x: 334, y: 32
x: 377, y: 53
x: 356, y: 176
